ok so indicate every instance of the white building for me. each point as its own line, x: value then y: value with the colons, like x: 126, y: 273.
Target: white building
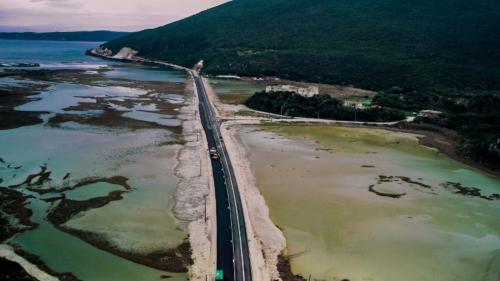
x: 102, y: 52
x: 354, y: 103
x: 228, y: 77
x: 303, y: 91
x: 199, y: 66
x: 429, y: 113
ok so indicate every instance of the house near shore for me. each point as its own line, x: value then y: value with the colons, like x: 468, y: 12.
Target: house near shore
x: 306, y: 92
x: 429, y: 113
x: 126, y: 53
x: 354, y: 104
x: 102, y: 52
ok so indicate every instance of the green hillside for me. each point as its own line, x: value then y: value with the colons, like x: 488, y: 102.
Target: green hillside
x: 94, y: 36
x: 367, y: 43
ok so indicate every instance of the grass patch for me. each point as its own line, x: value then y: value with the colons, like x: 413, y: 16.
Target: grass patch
x: 365, y: 100
x: 353, y: 140
x: 249, y: 113
x: 235, y: 98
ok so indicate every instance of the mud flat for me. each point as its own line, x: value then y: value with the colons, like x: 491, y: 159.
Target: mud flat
x: 95, y: 175
x: 15, y: 217
x: 439, y: 221
x: 26, y: 266
x: 14, y: 267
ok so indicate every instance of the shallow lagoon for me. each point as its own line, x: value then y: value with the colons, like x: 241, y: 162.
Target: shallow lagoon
x: 142, y: 221
x: 235, y: 91
x: 316, y: 183
x: 146, y: 74
x: 227, y: 86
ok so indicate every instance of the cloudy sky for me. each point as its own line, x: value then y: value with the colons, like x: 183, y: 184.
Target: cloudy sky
x: 70, y: 15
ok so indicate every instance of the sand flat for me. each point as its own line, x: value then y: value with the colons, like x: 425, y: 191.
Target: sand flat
x: 316, y: 183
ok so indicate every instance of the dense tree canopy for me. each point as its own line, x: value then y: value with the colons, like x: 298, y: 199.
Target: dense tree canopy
x: 370, y: 44
x: 319, y: 106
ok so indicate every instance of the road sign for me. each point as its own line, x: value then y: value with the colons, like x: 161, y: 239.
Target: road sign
x: 219, y: 274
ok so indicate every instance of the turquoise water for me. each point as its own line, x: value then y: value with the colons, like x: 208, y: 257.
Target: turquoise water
x: 142, y: 220
x: 151, y: 74
x: 50, y: 53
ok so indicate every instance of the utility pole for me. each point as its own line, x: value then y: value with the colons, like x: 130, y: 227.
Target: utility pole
x: 205, y: 209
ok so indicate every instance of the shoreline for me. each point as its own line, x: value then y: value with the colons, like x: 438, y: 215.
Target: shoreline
x: 195, y: 193
x: 251, y: 193
x: 445, y: 141
x: 33, y: 265
x: 268, y: 241
x: 180, y: 257
x: 270, y: 174
x: 174, y: 260
x: 15, y: 217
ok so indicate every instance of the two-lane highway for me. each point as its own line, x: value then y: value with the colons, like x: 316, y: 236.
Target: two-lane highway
x: 233, y: 256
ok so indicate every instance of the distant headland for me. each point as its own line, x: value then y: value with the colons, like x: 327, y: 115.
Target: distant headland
x: 96, y: 36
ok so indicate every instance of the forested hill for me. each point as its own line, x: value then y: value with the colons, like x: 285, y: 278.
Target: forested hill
x: 95, y: 36
x: 373, y: 44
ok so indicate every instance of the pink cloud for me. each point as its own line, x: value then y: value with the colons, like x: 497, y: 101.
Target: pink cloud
x: 126, y: 15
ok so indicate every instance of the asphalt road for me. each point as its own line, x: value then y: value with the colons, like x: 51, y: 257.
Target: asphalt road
x: 232, y: 243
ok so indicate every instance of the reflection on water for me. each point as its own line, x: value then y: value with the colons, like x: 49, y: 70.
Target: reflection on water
x: 65, y: 253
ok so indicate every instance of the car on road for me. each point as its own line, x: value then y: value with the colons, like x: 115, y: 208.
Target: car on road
x: 214, y: 155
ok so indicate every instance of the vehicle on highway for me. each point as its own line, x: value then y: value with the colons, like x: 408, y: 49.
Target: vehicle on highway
x: 214, y: 155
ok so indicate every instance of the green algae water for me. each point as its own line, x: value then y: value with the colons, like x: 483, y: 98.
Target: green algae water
x: 226, y: 86
x: 316, y: 181
x: 95, y: 126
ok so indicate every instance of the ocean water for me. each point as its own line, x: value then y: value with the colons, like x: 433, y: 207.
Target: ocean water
x: 142, y: 221
x: 70, y: 55
x: 49, y: 53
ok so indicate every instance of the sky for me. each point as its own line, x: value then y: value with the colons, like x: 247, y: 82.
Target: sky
x: 73, y: 15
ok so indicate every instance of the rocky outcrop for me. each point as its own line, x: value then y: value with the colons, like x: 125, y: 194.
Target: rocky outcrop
x: 126, y: 53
